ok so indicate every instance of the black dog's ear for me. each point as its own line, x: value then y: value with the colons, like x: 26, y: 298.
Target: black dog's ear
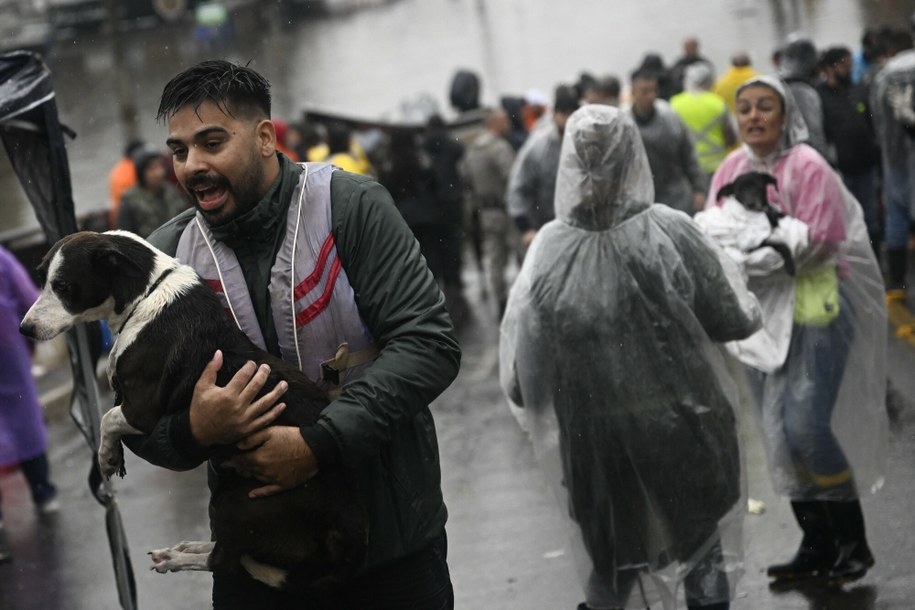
x: 126, y: 263
x: 725, y: 191
x: 117, y: 262
x: 770, y: 179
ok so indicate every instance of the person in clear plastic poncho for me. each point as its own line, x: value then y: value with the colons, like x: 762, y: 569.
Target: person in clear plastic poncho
x: 822, y: 385
x: 610, y: 359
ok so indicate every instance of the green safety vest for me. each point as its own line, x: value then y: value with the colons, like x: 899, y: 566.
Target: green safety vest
x: 704, y: 114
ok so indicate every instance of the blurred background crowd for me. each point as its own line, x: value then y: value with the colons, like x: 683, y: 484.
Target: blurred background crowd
x: 476, y: 188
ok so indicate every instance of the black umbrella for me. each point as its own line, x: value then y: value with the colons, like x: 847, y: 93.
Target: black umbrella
x: 34, y: 139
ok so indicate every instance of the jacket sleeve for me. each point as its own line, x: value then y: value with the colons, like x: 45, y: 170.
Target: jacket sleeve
x: 170, y: 444
x: 404, y: 310
x: 723, y: 304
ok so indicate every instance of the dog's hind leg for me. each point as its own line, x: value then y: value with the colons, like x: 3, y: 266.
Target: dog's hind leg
x: 184, y: 556
x: 110, y: 451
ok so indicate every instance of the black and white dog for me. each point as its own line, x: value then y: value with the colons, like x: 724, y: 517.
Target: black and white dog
x: 750, y: 190
x: 168, y: 325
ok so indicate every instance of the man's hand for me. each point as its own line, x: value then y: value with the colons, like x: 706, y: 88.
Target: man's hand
x: 699, y: 201
x: 527, y: 237
x: 224, y: 415
x: 277, y: 456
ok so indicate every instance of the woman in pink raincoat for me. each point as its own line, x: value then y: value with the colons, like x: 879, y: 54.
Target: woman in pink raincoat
x: 822, y: 410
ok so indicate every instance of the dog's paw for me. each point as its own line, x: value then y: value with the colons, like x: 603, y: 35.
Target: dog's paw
x: 111, y: 460
x: 160, y: 559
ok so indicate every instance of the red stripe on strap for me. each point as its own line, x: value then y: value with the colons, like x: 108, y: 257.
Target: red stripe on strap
x: 314, y: 310
x: 312, y: 280
x: 215, y: 285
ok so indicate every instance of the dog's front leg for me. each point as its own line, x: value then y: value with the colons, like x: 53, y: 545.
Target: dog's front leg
x: 183, y: 556
x: 110, y: 451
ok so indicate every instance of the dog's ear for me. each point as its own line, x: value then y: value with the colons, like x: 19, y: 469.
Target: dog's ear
x: 725, y: 191
x: 117, y: 261
x: 770, y: 179
x: 125, y: 263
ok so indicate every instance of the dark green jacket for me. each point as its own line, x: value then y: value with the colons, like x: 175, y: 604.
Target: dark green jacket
x: 380, y: 426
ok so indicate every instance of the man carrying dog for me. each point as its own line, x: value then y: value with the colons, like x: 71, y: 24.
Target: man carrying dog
x: 316, y: 265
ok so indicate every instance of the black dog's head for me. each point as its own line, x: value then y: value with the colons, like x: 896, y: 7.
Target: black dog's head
x: 85, y: 277
x: 750, y: 190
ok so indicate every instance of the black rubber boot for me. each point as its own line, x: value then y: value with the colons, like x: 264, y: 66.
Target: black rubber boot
x: 818, y: 550
x: 896, y: 260
x: 855, y: 557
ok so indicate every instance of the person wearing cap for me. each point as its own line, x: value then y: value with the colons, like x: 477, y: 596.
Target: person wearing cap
x: 533, y: 177
x: 533, y: 109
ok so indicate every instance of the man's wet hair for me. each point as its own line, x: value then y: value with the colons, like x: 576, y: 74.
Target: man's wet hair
x: 237, y: 90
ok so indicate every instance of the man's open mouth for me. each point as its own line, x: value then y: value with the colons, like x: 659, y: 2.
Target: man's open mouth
x: 210, y: 197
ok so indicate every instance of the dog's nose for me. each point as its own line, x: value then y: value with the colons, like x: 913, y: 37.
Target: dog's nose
x: 27, y: 329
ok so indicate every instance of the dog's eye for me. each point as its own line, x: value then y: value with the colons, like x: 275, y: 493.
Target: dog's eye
x: 61, y: 287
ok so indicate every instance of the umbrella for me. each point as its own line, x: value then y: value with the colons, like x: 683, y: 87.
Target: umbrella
x: 33, y: 137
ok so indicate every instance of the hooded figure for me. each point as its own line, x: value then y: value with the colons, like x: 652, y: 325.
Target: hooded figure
x: 610, y: 359
x: 894, y: 120
x: 798, y: 68
x: 822, y: 401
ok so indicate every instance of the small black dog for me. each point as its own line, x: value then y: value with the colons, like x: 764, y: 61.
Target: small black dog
x: 750, y: 190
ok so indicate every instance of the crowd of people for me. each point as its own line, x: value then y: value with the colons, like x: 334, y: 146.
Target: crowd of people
x: 606, y: 349
x: 640, y: 325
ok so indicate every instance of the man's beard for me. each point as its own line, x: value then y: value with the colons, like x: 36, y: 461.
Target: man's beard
x: 246, y: 193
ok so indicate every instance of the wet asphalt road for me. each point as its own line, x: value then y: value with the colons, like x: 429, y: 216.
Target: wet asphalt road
x: 506, y: 550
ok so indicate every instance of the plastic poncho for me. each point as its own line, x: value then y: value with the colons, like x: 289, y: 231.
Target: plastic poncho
x: 894, y: 119
x: 610, y: 362
x: 798, y: 67
x: 839, y: 252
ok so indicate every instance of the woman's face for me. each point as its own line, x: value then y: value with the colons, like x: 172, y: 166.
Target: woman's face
x: 761, y: 118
